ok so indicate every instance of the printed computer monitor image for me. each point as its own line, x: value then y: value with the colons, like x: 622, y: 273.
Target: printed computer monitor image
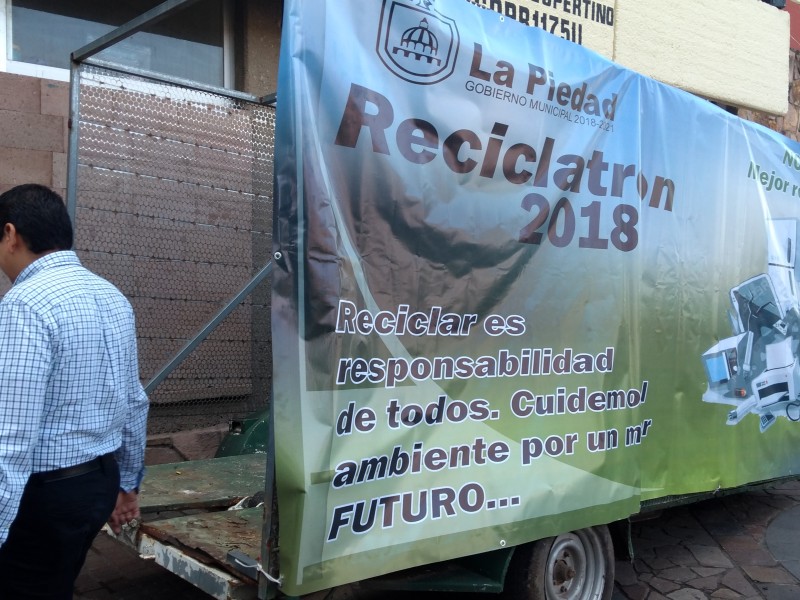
x: 717, y: 367
x: 728, y: 358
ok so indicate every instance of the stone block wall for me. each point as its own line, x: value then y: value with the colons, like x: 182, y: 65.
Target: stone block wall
x: 33, y: 135
x: 33, y: 131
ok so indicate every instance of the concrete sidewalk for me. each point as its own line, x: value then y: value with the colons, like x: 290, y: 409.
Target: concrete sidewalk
x: 743, y: 546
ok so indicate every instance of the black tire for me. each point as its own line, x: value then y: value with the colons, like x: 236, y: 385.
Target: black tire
x: 578, y: 565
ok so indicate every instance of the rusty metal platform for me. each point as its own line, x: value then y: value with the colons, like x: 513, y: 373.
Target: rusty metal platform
x: 187, y: 527
x: 202, y: 484
x: 208, y: 537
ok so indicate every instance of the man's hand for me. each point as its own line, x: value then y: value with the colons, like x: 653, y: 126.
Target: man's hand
x: 125, y: 511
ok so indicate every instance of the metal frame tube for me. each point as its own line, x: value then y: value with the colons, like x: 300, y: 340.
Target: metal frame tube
x: 229, y: 44
x: 266, y: 588
x: 151, y: 17
x: 177, y: 81
x: 208, y: 329
x: 72, y: 144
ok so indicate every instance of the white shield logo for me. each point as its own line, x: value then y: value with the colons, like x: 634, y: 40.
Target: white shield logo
x: 416, y: 42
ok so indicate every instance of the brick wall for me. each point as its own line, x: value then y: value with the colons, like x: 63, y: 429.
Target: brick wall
x: 33, y: 134
x: 33, y: 131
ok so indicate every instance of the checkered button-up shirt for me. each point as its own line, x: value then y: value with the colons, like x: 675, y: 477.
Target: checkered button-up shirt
x: 69, y: 377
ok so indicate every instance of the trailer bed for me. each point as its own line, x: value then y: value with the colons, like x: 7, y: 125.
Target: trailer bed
x: 187, y: 527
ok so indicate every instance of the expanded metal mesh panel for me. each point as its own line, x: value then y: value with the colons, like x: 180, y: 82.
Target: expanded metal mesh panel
x: 174, y: 205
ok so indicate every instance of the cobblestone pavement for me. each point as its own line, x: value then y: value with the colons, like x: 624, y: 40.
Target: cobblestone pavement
x: 742, y: 546
x: 739, y: 546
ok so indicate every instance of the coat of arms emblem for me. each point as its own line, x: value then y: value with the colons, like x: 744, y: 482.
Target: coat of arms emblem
x: 416, y: 42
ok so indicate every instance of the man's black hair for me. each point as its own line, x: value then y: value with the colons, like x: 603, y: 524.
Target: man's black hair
x: 39, y: 216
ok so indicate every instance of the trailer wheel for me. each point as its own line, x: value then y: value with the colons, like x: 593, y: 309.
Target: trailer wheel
x: 573, y: 566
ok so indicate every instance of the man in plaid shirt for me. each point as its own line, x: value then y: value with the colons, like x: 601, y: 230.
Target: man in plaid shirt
x: 72, y: 409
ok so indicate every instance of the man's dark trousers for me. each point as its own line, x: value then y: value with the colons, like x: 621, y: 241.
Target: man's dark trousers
x: 57, y: 521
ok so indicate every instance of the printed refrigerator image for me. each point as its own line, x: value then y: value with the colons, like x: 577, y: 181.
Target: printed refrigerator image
x: 516, y: 299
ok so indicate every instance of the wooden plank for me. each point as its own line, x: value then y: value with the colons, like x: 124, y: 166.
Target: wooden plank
x: 212, y: 483
x: 209, y: 537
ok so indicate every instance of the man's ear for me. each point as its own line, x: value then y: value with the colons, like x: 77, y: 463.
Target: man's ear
x: 10, y: 235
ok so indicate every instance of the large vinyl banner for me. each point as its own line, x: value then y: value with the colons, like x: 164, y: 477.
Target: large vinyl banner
x: 519, y: 289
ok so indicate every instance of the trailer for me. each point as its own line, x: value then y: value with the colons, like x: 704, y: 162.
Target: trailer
x: 514, y: 287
